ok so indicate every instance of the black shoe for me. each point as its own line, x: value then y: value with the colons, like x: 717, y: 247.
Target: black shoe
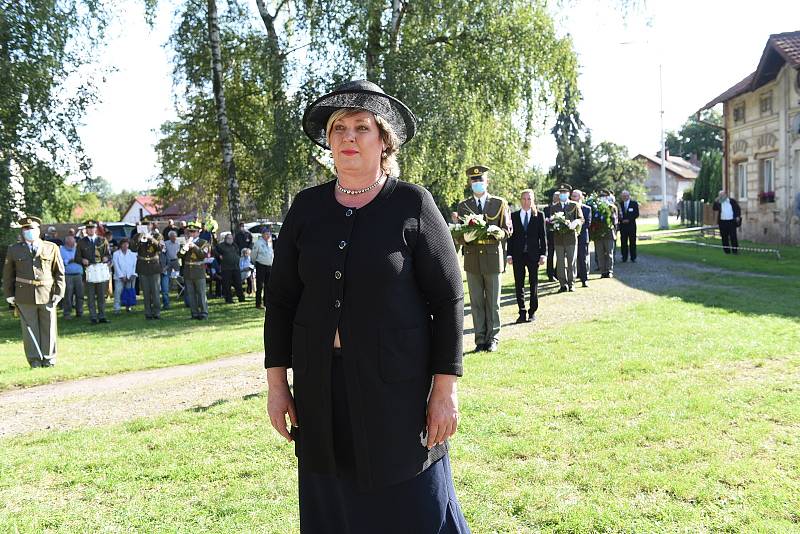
x: 147, y: 317
x: 563, y: 289
x: 531, y: 316
x: 94, y: 321
x: 103, y: 320
x: 571, y: 289
x: 584, y: 283
x: 551, y: 279
x: 203, y: 317
x: 229, y: 302
x: 492, y: 347
x: 241, y: 300
x: 633, y: 260
x: 480, y: 347
x: 157, y: 317
x: 605, y: 275
x: 522, y: 318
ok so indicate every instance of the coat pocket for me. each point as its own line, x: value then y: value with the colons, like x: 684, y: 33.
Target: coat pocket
x: 299, y: 349
x: 404, y: 353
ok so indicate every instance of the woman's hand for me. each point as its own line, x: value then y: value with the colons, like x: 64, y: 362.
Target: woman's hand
x: 442, y: 409
x: 280, y: 401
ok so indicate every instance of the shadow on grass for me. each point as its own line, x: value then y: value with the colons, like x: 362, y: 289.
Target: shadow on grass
x: 739, y: 292
x: 175, y: 321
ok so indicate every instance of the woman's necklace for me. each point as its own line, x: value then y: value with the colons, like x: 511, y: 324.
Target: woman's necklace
x: 358, y: 191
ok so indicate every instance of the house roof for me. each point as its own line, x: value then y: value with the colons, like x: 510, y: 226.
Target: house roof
x: 676, y: 165
x: 148, y: 202
x: 781, y: 48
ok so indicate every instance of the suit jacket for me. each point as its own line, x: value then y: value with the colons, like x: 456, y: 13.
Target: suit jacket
x: 387, y: 276
x: 93, y: 252
x: 737, y: 211
x: 548, y: 230
x: 45, y: 269
x: 572, y: 212
x: 630, y: 216
x: 583, y: 235
x: 534, y: 237
x: 487, y: 256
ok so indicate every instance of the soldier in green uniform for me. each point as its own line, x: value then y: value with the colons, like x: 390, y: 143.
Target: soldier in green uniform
x: 33, y: 281
x: 484, y: 259
x: 193, y: 254
x: 93, y: 249
x: 566, y: 244
x: 148, y: 269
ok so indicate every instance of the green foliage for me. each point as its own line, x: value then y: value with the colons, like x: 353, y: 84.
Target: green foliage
x: 695, y: 137
x: 89, y: 206
x: 43, y: 45
x: 709, y: 180
x: 450, y: 62
x: 589, y: 167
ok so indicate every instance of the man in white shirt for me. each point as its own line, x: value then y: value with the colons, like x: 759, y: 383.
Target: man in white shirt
x: 729, y: 218
x: 124, y: 262
x: 262, y: 258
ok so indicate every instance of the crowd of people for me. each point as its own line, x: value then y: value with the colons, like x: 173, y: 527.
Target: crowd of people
x: 86, y: 269
x: 556, y: 237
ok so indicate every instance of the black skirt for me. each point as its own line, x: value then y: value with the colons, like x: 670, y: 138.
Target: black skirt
x: 425, y: 504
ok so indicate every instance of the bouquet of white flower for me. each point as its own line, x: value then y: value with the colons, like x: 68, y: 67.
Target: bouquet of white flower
x: 560, y: 225
x: 473, y: 227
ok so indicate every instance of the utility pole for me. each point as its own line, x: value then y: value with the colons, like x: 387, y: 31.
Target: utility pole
x: 663, y: 213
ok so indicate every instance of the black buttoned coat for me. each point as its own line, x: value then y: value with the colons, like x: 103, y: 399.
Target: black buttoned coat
x: 388, y: 277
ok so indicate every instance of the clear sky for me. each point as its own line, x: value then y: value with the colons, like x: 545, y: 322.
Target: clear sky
x: 703, y: 46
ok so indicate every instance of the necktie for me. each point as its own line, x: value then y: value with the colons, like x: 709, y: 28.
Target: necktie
x: 525, y: 222
x: 480, y: 206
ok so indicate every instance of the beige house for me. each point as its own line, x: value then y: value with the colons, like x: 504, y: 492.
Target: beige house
x: 762, y: 143
x: 681, y: 175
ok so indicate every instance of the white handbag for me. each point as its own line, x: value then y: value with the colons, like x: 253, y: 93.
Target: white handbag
x: 97, y: 273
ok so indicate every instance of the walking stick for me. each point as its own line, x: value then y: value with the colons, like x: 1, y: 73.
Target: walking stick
x: 30, y: 332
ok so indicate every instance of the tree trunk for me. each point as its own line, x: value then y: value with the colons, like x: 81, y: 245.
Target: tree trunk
x: 228, y: 164
x: 374, y: 31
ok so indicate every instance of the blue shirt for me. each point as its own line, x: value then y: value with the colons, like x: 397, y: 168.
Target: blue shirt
x: 68, y: 254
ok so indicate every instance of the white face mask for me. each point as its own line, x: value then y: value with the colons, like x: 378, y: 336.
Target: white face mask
x: 30, y: 234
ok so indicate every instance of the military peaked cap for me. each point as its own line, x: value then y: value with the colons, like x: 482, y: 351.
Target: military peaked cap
x: 565, y: 187
x: 477, y: 171
x: 193, y: 226
x: 33, y: 222
x: 90, y: 224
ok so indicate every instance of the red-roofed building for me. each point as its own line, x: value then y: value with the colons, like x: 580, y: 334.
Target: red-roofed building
x: 142, y: 206
x: 762, y: 143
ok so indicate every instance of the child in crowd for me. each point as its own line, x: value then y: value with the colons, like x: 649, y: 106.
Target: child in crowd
x: 247, y: 269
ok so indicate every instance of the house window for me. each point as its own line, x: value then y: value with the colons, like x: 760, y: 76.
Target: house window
x: 766, y: 104
x: 738, y: 113
x: 767, y: 193
x: 741, y: 180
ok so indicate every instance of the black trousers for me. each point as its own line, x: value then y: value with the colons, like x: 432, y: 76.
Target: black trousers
x: 262, y: 279
x: 583, y: 259
x: 730, y: 242
x: 551, y: 254
x: 232, y: 277
x: 522, y: 264
x: 627, y: 235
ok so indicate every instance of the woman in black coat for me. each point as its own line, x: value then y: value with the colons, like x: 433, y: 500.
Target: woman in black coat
x: 365, y: 304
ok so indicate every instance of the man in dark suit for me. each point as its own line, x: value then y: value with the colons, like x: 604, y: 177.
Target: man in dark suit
x: 729, y: 218
x: 583, y: 238
x: 628, y: 213
x: 551, y: 249
x: 527, y: 249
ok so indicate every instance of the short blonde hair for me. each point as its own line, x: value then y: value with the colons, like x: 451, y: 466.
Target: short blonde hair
x: 389, y: 156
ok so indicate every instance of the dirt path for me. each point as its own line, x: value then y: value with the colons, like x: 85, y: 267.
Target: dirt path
x: 126, y: 396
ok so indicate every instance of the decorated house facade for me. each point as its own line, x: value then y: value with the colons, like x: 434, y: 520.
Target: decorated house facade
x: 762, y: 143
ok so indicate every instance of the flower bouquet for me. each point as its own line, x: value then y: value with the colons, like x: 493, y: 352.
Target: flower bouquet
x: 473, y: 227
x: 560, y: 225
x: 602, y: 218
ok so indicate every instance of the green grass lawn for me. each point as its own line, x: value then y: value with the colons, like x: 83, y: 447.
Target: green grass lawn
x: 788, y: 265
x: 130, y: 342
x: 679, y: 414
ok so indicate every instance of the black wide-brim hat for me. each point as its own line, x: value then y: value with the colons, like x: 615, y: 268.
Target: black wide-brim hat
x: 358, y: 94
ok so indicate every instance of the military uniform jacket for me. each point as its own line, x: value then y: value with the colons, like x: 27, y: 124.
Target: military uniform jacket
x: 572, y: 211
x: 33, y: 278
x: 486, y: 257
x: 93, y: 252
x: 193, y: 260
x: 147, y: 256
